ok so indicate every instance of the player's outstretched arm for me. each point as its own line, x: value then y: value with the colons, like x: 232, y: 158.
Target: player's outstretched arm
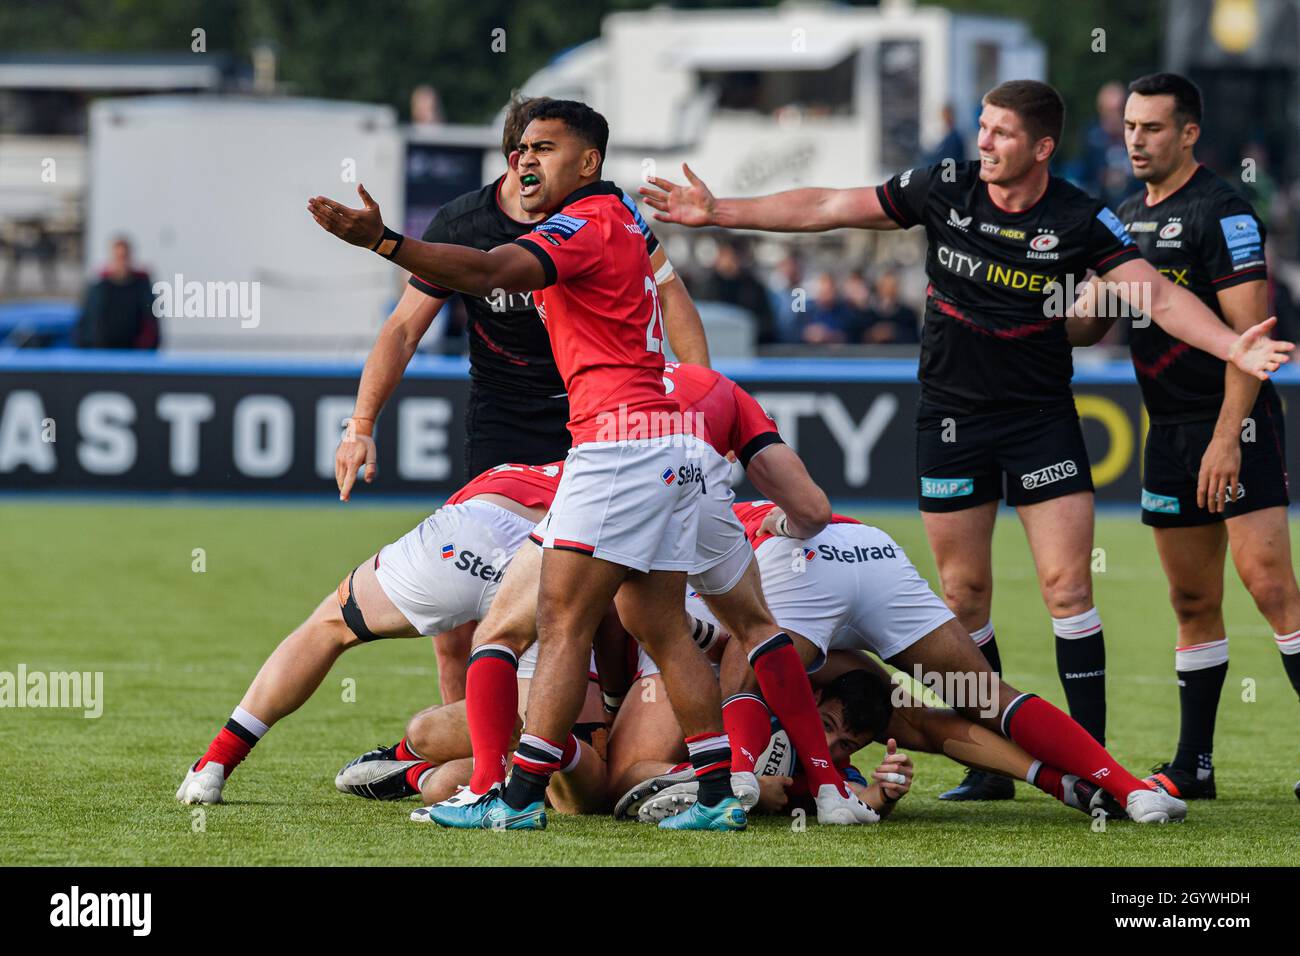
x: 795, y: 210
x: 387, y: 361
x: 780, y: 476
x: 508, y: 268
x: 1184, y: 316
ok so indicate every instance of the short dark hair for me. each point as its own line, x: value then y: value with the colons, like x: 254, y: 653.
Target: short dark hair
x: 1037, y: 104
x: 1186, y: 94
x: 864, y: 701
x: 516, y: 121
x: 589, y: 125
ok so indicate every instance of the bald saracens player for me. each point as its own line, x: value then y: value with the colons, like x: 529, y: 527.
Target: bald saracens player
x: 517, y: 409
x: 1214, y: 475
x: 442, y: 574
x: 996, y: 408
x: 623, y: 523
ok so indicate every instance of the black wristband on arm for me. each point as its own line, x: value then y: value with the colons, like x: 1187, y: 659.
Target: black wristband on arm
x: 388, y: 243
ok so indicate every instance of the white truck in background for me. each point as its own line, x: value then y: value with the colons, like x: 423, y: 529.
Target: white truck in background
x: 212, y: 193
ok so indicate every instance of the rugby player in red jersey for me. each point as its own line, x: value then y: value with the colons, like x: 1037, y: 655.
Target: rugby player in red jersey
x: 442, y: 574
x: 623, y: 523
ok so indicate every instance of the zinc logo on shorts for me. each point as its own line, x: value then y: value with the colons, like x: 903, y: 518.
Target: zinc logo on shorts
x: 1050, y: 474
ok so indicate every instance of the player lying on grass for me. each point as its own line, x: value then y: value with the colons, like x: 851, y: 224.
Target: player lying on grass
x: 438, y: 577
x: 851, y: 587
x: 644, y: 759
x: 858, y: 705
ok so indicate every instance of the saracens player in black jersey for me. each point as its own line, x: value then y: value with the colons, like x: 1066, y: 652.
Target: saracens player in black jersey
x: 1005, y: 238
x: 1214, y: 474
x: 518, y: 410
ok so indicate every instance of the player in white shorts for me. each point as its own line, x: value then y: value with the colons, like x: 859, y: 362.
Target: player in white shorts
x: 851, y: 587
x: 442, y: 574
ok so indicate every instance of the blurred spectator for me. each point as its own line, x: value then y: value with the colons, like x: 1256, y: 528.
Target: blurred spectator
x: 952, y: 146
x: 426, y: 106
x: 732, y: 280
x: 786, y: 278
x: 857, y: 299
x: 1104, y: 169
x: 827, y: 319
x: 118, y: 312
x: 888, y: 320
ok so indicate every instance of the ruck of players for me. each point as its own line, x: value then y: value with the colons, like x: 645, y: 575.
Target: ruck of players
x: 616, y: 633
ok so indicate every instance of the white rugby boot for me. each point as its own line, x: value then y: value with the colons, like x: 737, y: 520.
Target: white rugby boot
x: 203, y: 786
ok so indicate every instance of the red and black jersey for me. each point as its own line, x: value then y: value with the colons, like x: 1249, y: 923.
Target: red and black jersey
x: 1204, y: 237
x: 732, y: 420
x: 601, y: 309
x: 752, y: 513
x: 508, y: 346
x: 994, y: 336
x: 532, y: 486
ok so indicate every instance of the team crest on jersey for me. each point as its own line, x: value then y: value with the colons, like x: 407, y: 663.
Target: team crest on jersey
x: 955, y: 219
x: 560, y: 224
x: 448, y: 552
x: 1172, y: 229
x: 1041, y: 246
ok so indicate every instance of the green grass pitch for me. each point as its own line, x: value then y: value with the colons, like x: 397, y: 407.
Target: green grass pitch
x: 110, y: 587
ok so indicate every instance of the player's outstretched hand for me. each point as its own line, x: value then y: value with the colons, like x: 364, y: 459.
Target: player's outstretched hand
x: 355, y: 451
x: 361, y: 227
x: 1258, y: 355
x: 691, y: 205
x: 895, y: 772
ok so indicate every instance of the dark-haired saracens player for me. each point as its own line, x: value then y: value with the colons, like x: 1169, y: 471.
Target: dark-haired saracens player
x: 517, y: 409
x: 1214, y: 474
x: 1005, y: 237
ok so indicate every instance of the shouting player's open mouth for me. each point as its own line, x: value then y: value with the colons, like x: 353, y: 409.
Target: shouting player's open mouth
x: 529, y: 183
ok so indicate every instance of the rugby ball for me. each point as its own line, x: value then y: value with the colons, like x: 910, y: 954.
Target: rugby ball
x: 778, y: 759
